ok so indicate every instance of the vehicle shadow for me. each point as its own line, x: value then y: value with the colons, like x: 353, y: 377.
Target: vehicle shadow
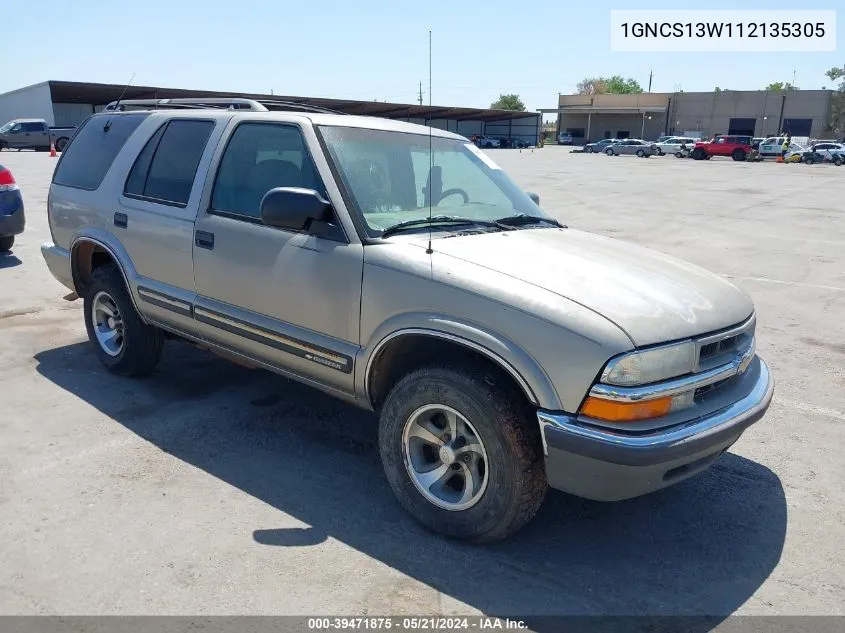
x: 8, y: 260
x: 700, y: 548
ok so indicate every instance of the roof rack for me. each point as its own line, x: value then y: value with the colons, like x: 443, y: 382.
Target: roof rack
x: 235, y: 103
x: 168, y: 104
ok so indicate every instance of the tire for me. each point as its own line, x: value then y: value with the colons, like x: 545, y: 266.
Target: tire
x: 660, y: 152
x: 136, y: 346
x: 513, y: 483
x: 699, y: 154
x: 640, y: 153
x: 678, y: 155
x: 6, y: 243
x: 588, y: 150
x: 609, y: 151
x: 837, y: 161
x: 61, y: 143
x: 809, y: 160
x: 738, y: 155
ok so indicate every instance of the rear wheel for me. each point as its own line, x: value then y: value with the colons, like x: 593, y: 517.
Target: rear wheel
x: 123, y: 342
x: 462, y: 452
x: 640, y: 153
x: 609, y: 151
x: 6, y: 243
x: 588, y: 150
x: 678, y: 155
x: 738, y: 155
x: 61, y: 144
x: 838, y: 161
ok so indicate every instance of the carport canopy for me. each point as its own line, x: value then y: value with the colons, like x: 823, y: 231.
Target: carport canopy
x: 102, y: 94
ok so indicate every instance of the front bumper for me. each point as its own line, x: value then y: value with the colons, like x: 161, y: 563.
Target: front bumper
x: 597, y: 463
x: 58, y: 261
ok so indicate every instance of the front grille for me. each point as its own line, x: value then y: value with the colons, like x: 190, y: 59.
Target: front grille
x: 722, y: 347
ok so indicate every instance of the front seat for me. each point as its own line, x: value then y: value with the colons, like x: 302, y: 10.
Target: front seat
x: 267, y: 175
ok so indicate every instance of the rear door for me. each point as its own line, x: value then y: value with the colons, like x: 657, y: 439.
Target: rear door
x: 157, y: 210
x: 36, y: 134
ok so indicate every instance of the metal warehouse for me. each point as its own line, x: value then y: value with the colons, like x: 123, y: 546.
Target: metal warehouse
x: 68, y: 103
x: 649, y: 115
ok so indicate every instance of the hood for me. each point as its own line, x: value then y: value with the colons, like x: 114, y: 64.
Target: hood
x: 653, y: 297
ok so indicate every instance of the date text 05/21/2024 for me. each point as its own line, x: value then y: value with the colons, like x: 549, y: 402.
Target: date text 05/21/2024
x: 426, y: 623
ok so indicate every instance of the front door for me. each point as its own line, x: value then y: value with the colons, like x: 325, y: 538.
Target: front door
x: 288, y: 299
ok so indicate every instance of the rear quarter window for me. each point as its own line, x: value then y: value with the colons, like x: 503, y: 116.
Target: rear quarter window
x: 87, y: 158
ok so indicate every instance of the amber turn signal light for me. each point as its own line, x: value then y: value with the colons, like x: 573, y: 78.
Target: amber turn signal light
x: 625, y: 411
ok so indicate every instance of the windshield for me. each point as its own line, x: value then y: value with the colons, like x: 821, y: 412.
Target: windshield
x: 392, y: 178
x: 8, y: 126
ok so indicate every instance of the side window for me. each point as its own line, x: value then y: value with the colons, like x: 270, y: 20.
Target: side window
x: 165, y: 169
x: 260, y: 157
x: 33, y: 127
x: 89, y: 155
x: 16, y: 129
x: 720, y: 140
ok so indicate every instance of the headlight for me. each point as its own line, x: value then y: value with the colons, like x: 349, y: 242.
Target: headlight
x: 651, y: 365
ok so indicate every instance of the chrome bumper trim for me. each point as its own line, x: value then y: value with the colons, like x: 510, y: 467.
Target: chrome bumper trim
x: 750, y: 407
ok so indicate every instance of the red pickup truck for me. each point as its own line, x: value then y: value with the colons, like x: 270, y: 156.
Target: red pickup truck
x: 737, y: 147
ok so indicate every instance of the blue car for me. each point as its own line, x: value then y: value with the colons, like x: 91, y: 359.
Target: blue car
x: 12, y: 219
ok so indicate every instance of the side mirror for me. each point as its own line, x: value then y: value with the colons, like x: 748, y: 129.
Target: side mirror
x: 534, y: 197
x: 293, y: 208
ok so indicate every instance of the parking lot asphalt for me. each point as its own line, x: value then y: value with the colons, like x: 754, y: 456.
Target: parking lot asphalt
x: 213, y: 489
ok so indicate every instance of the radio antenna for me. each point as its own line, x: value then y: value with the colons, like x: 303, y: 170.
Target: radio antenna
x: 117, y: 103
x: 430, y: 153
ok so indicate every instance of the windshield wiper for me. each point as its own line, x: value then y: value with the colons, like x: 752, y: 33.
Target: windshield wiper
x: 442, y: 219
x: 521, y: 219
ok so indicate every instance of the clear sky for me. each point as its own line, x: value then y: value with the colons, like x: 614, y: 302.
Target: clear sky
x: 374, y: 49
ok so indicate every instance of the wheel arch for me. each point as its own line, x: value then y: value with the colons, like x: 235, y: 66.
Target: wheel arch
x: 398, y: 350
x: 87, y: 253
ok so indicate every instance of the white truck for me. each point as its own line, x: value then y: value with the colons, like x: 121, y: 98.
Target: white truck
x: 33, y: 134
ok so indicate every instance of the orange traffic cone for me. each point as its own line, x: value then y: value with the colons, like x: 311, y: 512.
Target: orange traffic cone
x: 53, y: 153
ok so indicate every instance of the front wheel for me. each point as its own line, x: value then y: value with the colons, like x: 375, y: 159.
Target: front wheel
x: 699, y: 154
x: 6, y: 243
x: 123, y: 342
x: 461, y: 451
x: 640, y: 153
x: 837, y: 161
x: 678, y: 155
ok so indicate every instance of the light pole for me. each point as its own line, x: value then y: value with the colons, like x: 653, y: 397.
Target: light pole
x: 642, y: 131
x: 763, y: 131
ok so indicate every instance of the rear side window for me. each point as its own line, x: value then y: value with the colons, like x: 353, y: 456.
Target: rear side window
x: 165, y: 169
x: 87, y: 158
x: 34, y: 127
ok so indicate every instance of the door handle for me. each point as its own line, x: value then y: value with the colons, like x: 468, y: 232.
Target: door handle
x: 204, y: 239
x: 120, y: 220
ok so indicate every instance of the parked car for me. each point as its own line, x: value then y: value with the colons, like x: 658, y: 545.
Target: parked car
x: 520, y: 143
x: 564, y: 138
x: 33, y: 134
x: 12, y: 220
x: 737, y: 147
x: 773, y: 145
x: 600, y: 146
x: 488, y: 141
x: 631, y: 147
x: 672, y: 144
x: 828, y: 152
x: 514, y: 354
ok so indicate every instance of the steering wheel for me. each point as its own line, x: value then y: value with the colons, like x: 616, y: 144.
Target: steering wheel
x: 454, y: 192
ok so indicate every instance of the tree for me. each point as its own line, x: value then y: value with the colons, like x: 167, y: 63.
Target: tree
x: 780, y: 86
x: 616, y: 84
x: 837, y: 101
x: 508, y: 102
